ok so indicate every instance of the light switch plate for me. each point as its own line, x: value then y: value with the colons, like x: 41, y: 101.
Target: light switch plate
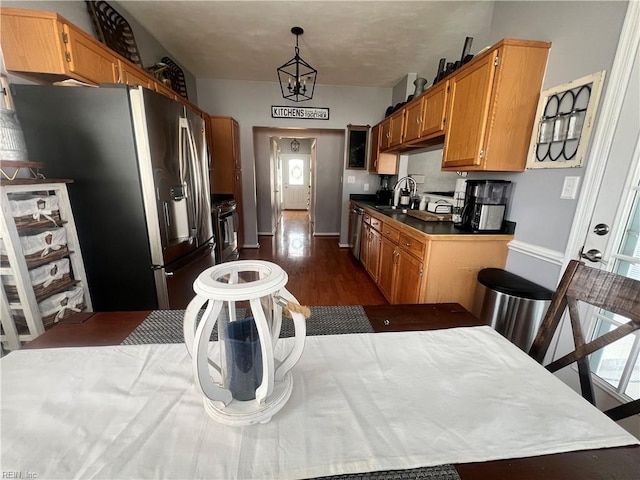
x: 351, y: 179
x: 570, y: 188
x: 366, y: 187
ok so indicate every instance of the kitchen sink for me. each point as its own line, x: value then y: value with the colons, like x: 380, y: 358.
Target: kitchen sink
x: 389, y: 208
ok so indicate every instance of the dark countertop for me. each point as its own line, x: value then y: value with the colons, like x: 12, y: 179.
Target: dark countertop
x: 429, y: 228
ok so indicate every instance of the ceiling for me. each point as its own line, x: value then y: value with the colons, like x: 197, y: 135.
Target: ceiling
x: 358, y: 43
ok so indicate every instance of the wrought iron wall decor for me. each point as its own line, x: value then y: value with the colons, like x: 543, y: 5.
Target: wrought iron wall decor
x: 176, y: 76
x: 564, y: 121
x: 114, y: 31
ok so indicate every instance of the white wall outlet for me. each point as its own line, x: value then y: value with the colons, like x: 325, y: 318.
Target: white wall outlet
x: 351, y: 179
x: 570, y: 188
x: 366, y: 187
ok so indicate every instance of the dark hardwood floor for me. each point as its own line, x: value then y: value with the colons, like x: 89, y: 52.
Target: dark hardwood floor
x: 320, y: 273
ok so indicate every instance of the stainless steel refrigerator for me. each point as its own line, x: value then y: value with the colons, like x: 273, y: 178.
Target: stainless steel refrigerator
x: 140, y: 192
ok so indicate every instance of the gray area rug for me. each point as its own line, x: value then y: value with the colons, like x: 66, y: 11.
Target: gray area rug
x: 165, y: 326
x: 441, y: 472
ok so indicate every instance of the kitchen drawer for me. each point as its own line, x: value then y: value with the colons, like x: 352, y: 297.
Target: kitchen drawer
x: 413, y: 245
x: 390, y: 233
x: 375, y: 223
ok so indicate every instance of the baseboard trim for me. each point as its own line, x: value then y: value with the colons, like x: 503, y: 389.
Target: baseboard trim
x: 252, y: 245
x: 541, y: 253
x: 329, y: 234
x: 265, y: 234
x: 343, y: 245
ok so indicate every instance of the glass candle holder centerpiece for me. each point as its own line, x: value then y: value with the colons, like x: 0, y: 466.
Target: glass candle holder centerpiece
x: 245, y: 377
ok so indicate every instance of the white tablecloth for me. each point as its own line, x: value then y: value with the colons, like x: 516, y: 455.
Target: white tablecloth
x: 360, y: 403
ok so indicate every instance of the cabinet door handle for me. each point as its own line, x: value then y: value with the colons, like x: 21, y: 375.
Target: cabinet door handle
x: 408, y: 244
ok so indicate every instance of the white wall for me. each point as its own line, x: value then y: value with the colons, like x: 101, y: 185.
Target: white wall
x: 250, y: 104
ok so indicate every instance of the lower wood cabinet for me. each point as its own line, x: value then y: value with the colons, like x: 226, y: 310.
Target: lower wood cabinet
x: 364, y: 245
x: 388, y: 268
x: 401, y: 273
x: 408, y: 283
x: 373, y: 264
x: 410, y: 266
x: 370, y: 247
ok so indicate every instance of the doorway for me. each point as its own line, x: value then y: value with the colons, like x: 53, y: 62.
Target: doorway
x: 325, y: 150
x: 296, y: 181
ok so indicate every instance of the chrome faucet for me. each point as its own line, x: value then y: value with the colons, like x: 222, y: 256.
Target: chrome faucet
x: 414, y: 188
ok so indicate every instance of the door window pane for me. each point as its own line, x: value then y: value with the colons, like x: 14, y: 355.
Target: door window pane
x: 633, y: 388
x: 609, y: 363
x: 296, y: 174
x: 630, y: 243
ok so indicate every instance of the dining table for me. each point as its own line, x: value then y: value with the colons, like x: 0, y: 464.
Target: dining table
x: 443, y: 336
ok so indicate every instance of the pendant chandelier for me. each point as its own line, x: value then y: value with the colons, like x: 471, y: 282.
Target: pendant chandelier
x: 297, y: 78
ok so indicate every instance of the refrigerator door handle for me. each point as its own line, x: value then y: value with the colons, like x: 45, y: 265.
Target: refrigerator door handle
x: 185, y: 136
x: 167, y: 217
x: 195, y: 169
x: 164, y: 271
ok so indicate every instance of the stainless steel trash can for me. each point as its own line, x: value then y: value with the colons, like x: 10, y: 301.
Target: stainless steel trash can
x: 512, y: 305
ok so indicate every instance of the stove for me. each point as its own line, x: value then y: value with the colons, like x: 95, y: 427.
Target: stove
x: 225, y: 229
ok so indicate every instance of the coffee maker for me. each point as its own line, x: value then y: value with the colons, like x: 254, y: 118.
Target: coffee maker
x: 384, y: 195
x: 485, y: 205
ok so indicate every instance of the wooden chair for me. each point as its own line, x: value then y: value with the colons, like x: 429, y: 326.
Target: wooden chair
x: 608, y: 291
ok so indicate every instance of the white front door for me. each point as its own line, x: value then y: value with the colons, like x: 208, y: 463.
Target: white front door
x: 611, y: 226
x: 296, y: 178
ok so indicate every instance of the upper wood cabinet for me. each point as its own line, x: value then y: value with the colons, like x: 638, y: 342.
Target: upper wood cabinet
x: 132, y: 76
x: 491, y: 107
x: 44, y: 45
x: 87, y: 59
x: 382, y: 163
x: 45, y: 48
x: 385, y: 134
x: 425, y: 117
x: 374, y: 148
x: 483, y: 112
x: 225, y: 153
x: 396, y: 128
x: 413, y: 120
x: 166, y: 91
x: 434, y: 105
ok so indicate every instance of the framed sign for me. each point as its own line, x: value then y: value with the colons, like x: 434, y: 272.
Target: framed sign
x: 357, y: 137
x: 564, y: 122
x: 305, y: 113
